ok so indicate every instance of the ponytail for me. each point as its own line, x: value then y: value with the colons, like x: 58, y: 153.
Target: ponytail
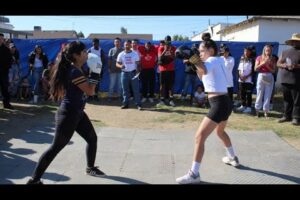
x: 58, y: 81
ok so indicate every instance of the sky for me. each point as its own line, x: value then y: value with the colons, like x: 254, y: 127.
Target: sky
x: 159, y: 26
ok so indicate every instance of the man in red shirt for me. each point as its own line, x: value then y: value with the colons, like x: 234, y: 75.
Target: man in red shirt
x: 166, y: 64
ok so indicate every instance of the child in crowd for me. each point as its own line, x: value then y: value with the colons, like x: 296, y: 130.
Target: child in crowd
x: 199, y: 99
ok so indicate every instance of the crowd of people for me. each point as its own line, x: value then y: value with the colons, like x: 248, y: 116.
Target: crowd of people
x: 134, y: 68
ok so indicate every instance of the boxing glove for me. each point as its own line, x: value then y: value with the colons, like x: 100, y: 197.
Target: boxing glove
x: 95, y: 66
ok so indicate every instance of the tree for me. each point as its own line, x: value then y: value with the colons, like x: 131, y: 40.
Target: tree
x: 80, y: 35
x: 180, y: 38
x: 123, y: 30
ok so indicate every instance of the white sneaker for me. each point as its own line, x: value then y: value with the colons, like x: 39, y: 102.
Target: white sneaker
x: 241, y: 108
x: 161, y: 103
x: 189, y: 178
x: 247, y: 110
x: 172, y: 103
x: 151, y: 100
x: 144, y: 100
x: 231, y: 161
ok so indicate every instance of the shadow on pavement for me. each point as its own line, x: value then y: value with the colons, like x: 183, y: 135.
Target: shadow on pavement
x: 270, y: 173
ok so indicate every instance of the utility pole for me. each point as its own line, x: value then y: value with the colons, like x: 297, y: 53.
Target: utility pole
x: 227, y: 20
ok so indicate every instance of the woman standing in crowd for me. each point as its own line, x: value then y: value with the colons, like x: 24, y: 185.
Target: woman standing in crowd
x: 265, y: 66
x: 38, y: 61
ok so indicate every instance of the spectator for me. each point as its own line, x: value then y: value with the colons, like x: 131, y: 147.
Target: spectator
x: 199, y: 98
x: 38, y: 61
x: 289, y: 73
x: 14, y: 71
x: 114, y: 72
x: 190, y: 78
x: 5, y: 64
x: 148, y: 62
x: 129, y: 62
x: 96, y: 49
x: 265, y: 65
x: 229, y: 65
x: 166, y: 64
x: 246, y: 71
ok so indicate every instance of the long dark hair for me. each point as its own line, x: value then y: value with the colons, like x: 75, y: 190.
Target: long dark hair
x: 59, y: 79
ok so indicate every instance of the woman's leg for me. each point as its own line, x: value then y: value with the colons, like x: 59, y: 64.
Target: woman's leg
x: 64, y: 131
x: 231, y: 158
x: 86, y: 130
x: 205, y: 129
x: 222, y: 134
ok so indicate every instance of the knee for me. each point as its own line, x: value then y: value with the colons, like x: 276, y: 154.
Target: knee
x: 199, y: 139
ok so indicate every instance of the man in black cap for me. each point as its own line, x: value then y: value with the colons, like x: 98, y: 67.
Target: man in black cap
x: 5, y: 63
x: 166, y: 64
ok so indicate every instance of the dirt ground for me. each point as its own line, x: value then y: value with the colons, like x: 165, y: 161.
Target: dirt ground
x: 103, y: 113
x: 149, y: 118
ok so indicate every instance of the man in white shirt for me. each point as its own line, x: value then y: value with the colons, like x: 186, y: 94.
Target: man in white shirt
x: 129, y: 62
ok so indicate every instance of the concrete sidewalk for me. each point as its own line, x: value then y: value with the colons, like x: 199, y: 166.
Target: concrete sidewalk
x: 134, y: 156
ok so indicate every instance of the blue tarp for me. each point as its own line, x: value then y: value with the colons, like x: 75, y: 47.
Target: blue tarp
x: 52, y: 46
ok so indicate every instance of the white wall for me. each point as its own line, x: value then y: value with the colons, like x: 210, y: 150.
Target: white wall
x: 245, y: 33
x: 6, y: 26
x: 217, y: 28
x: 277, y: 30
x: 215, y: 36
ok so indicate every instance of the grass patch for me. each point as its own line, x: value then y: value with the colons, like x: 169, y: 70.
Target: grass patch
x: 184, y: 113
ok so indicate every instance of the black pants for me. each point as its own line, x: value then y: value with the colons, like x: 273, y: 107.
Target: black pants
x: 148, y: 81
x: 96, y: 90
x: 66, y: 123
x: 4, y: 87
x: 245, y: 90
x: 166, y: 84
x: 291, y: 101
x: 230, y: 93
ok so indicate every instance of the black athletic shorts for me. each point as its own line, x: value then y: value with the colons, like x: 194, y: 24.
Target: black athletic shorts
x: 220, y: 108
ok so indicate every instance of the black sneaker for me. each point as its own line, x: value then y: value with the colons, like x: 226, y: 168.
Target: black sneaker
x: 284, y: 119
x: 94, y: 171
x: 96, y: 98
x: 124, y: 106
x: 9, y: 106
x: 34, y: 182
